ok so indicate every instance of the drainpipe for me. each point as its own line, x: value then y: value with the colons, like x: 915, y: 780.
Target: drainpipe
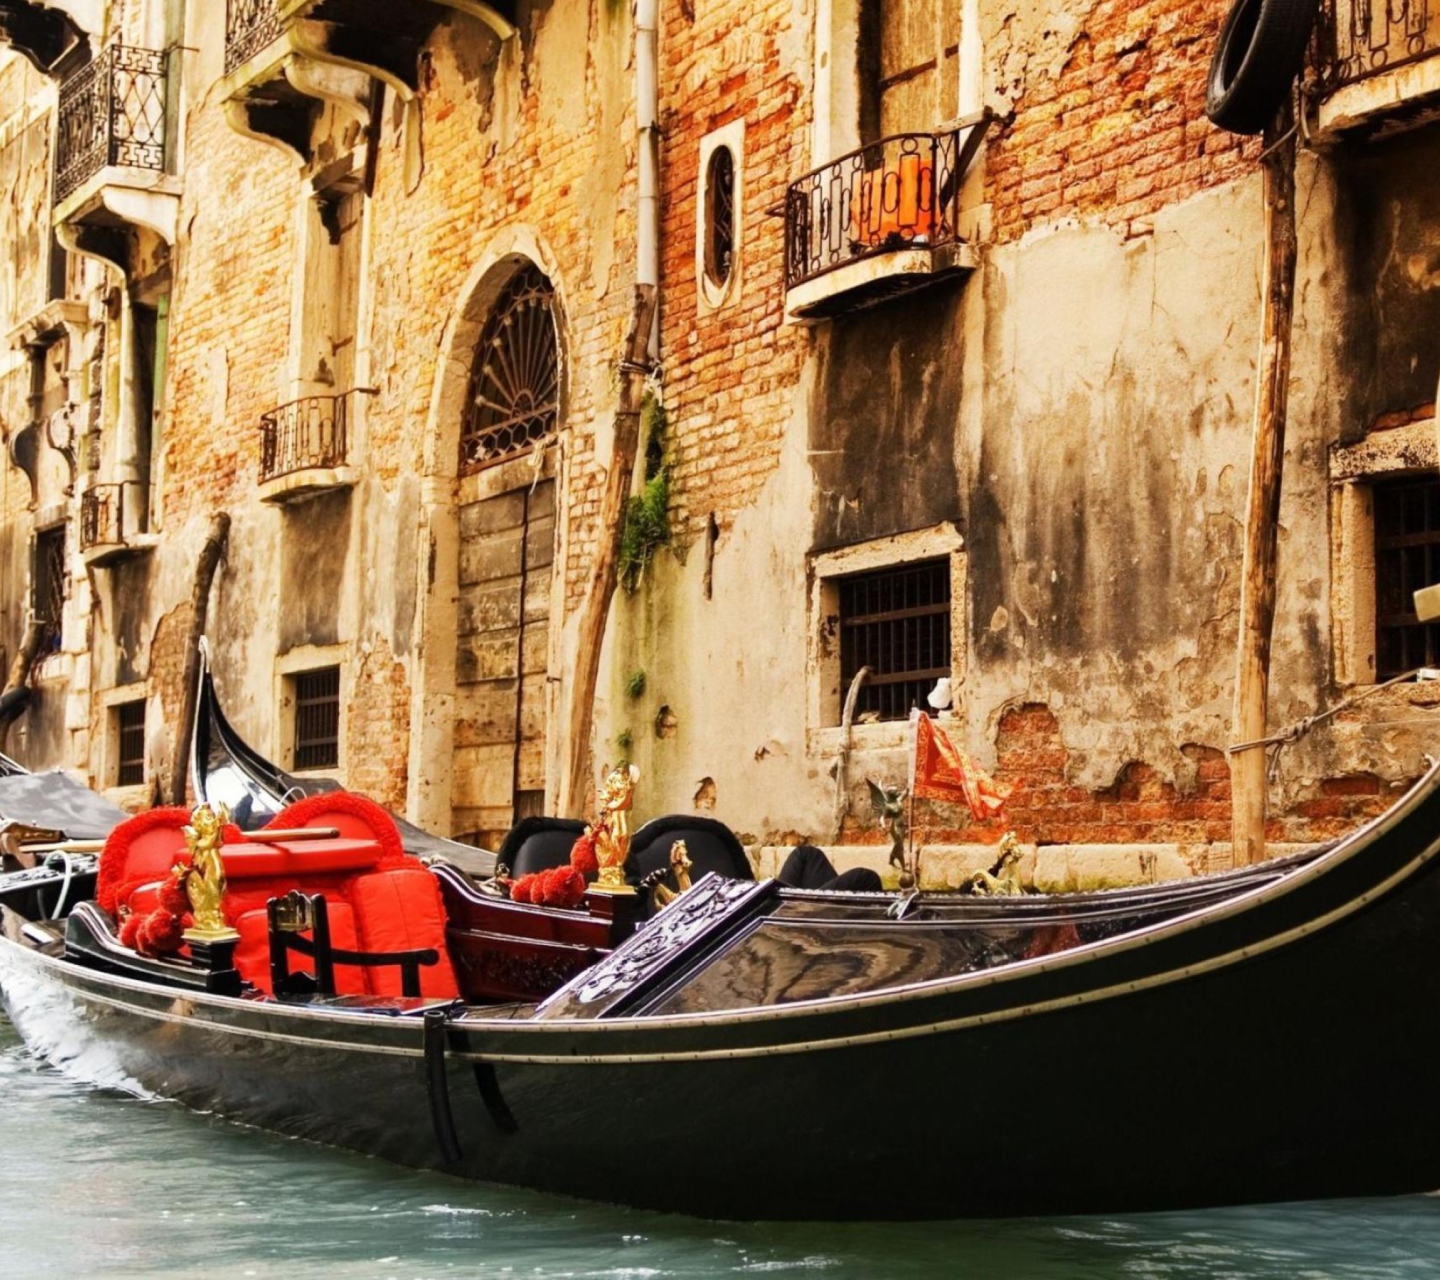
x: 647, y: 111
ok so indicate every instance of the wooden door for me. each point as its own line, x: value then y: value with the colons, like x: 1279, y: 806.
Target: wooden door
x: 507, y: 550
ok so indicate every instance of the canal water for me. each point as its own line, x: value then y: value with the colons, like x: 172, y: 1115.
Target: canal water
x: 101, y: 1184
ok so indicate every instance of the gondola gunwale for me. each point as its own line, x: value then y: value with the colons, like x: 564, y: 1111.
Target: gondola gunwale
x: 506, y: 1038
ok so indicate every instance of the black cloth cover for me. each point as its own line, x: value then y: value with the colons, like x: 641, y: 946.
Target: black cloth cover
x: 57, y: 802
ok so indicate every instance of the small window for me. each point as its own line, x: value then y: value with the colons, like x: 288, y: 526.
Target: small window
x: 897, y: 623
x: 317, y: 718
x: 720, y: 216
x: 130, y: 743
x: 1407, y: 557
x: 47, y: 597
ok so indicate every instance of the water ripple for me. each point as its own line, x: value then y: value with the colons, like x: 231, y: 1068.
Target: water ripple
x: 101, y: 1183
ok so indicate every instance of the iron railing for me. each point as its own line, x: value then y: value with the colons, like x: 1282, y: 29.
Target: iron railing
x: 250, y: 25
x: 112, y: 111
x: 308, y: 433
x: 102, y: 516
x: 901, y: 192
x: 1357, y: 39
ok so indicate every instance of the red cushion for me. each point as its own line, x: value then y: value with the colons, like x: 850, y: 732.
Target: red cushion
x: 252, y: 952
x: 142, y: 848
x: 299, y: 857
x: 355, y: 817
x: 401, y: 910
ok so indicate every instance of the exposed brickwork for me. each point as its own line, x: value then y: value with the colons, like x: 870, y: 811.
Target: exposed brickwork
x: 729, y: 374
x: 1140, y: 807
x: 1121, y: 131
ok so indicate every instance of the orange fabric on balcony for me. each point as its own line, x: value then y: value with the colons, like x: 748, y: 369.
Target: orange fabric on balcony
x: 896, y: 200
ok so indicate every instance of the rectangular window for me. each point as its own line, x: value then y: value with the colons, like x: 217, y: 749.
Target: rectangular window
x: 1407, y: 557
x: 47, y: 579
x: 317, y: 718
x: 130, y: 743
x: 897, y: 623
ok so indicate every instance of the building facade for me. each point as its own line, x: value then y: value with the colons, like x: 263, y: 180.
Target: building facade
x: 959, y: 311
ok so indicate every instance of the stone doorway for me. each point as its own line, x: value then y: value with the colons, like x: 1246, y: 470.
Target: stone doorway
x: 506, y: 555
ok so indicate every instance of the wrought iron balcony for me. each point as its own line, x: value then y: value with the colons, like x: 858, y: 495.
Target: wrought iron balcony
x: 310, y: 434
x: 1359, y: 39
x: 102, y: 517
x: 112, y: 524
x: 250, y: 26
x: 892, y: 197
x: 112, y: 112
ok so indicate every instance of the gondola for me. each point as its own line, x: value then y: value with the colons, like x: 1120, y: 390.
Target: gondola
x: 225, y: 768
x: 40, y: 814
x: 755, y: 1052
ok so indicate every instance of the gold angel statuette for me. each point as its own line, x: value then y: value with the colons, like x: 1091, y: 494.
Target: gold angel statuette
x: 204, y: 878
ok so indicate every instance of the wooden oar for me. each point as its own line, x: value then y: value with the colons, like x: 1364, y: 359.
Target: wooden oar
x: 280, y: 835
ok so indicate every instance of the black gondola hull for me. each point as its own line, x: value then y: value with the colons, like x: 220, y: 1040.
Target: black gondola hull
x: 1278, y: 1052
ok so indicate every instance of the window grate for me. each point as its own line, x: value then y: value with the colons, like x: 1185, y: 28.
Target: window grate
x: 720, y: 217
x: 1407, y: 557
x: 514, y: 400
x: 48, y: 585
x: 317, y: 719
x: 897, y: 623
x: 130, y: 741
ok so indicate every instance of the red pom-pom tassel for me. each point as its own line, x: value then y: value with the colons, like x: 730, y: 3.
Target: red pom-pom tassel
x: 583, y: 858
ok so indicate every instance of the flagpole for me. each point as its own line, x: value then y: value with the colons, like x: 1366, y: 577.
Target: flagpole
x: 915, y: 714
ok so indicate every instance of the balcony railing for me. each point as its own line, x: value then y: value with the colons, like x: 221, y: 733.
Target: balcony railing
x: 112, y: 112
x: 308, y: 434
x: 102, y: 517
x: 250, y: 25
x: 901, y: 192
x: 1357, y: 39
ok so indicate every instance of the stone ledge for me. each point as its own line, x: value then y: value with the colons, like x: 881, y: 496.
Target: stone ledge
x: 874, y: 279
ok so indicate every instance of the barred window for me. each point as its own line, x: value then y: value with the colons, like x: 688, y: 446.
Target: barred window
x: 720, y: 216
x: 47, y: 597
x: 130, y: 743
x: 1407, y: 557
x: 897, y: 623
x: 317, y: 718
x: 514, y: 396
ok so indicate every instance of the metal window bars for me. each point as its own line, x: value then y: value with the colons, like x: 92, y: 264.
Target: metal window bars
x: 112, y: 112
x: 250, y: 25
x: 1357, y: 39
x: 130, y: 743
x: 317, y: 718
x: 896, y: 622
x: 47, y: 597
x: 102, y: 516
x: 901, y: 192
x: 312, y: 432
x: 1407, y: 557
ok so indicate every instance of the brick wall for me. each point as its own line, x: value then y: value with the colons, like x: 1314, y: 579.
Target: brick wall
x: 1120, y: 131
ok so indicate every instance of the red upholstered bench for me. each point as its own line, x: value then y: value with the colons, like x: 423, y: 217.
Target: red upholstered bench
x: 378, y: 897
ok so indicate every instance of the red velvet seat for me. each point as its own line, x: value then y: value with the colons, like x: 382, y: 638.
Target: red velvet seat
x: 378, y: 897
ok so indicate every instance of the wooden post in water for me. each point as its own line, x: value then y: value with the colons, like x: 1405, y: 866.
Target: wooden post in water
x: 595, y: 609
x: 1262, y: 518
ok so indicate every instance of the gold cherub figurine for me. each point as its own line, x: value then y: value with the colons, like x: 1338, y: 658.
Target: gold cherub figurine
x: 680, y: 865
x: 204, y: 878
x: 612, y: 828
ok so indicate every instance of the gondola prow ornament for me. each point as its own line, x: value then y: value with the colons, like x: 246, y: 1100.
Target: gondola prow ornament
x: 204, y: 878
x: 612, y: 828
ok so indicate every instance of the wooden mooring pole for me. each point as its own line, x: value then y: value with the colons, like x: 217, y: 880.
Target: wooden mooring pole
x: 1262, y: 518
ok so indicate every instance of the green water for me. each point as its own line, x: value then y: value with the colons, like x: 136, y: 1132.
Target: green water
x: 100, y: 1184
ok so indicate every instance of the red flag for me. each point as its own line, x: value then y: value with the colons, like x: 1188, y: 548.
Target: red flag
x: 944, y: 772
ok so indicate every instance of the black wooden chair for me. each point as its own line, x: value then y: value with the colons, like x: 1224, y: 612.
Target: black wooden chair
x: 296, y: 914
x: 711, y: 846
x: 538, y: 844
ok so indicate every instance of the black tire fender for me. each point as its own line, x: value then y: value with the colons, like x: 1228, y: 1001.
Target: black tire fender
x: 1260, y: 52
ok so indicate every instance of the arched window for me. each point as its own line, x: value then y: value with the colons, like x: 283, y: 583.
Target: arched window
x: 514, y: 395
x: 720, y: 216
